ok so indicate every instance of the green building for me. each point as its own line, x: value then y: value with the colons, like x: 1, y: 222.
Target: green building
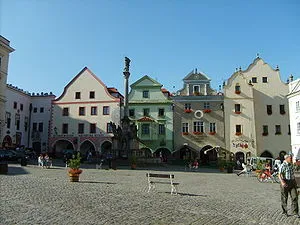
x: 151, y: 109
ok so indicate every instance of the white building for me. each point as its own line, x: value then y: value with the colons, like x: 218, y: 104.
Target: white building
x: 27, y: 119
x: 5, y: 50
x: 294, y: 108
x: 256, y: 112
x: 81, y: 116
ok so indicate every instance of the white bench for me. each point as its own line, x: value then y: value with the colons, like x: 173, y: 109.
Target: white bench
x: 155, y: 178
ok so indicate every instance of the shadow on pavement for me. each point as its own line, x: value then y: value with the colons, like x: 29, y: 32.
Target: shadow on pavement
x: 188, y: 194
x: 96, y: 182
x: 13, y: 171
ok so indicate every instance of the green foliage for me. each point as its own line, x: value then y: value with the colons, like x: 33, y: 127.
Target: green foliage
x: 221, y: 162
x: 74, y: 163
x: 133, y: 159
x: 260, y: 165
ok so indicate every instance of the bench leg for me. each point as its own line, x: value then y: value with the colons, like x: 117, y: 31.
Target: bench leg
x: 151, y: 186
x: 173, y: 190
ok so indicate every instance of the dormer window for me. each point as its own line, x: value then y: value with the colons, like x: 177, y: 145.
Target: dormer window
x: 237, y: 89
x: 196, y: 89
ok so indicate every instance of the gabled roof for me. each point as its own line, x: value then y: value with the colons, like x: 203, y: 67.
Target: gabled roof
x: 146, y: 77
x: 77, y: 76
x: 195, y: 75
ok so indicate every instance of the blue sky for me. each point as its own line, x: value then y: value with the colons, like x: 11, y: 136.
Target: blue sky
x: 165, y: 39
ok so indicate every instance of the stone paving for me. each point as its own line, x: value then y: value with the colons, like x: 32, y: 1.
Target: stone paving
x: 32, y: 195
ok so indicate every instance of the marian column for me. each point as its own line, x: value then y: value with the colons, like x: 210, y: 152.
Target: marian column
x: 126, y: 78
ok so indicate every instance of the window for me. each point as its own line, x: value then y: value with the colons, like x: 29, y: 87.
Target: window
x: 41, y: 127
x: 92, y: 128
x: 265, y: 79
x: 237, y: 108
x: 237, y: 89
x: 77, y: 95
x: 146, y: 112
x: 281, y: 109
x: 212, y: 127
x: 265, y: 130
x: 206, y: 105
x: 198, y: 126
x: 298, y: 128
x: 196, y: 89
x: 298, y: 106
x: 81, y: 111
x: 131, y: 112
x: 238, y: 129
x: 35, y: 109
x: 109, y: 128
x: 105, y: 110
x: 26, y: 123
x: 41, y: 109
x: 145, y: 94
x: 65, y: 128
x: 185, y: 127
x: 254, y: 79
x: 289, y: 129
x: 161, y: 112
x: 81, y: 128
x: 269, y: 109
x: 94, y: 110
x: 21, y: 107
x: 17, y: 121
x: 92, y: 94
x: 65, y: 112
x: 161, y: 129
x: 145, y: 128
x: 277, y: 129
x: 8, y: 119
x: 15, y: 105
x: 187, y: 106
x: 34, y: 126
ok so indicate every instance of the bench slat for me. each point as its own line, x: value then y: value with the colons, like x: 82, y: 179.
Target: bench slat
x: 161, y: 182
x: 160, y: 175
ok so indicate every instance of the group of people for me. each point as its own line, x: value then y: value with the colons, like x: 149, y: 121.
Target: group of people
x: 288, y: 184
x: 44, y: 161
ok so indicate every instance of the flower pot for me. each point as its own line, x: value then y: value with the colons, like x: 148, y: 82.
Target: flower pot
x: 74, y: 177
x: 133, y: 166
x: 74, y: 174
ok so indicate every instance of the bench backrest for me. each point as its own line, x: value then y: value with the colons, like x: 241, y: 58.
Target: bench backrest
x: 157, y: 175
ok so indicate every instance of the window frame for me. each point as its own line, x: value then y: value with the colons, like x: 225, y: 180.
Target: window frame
x: 77, y: 95
x: 106, y: 110
x: 146, y: 94
x: 65, y: 128
x: 81, y: 111
x: 93, y: 128
x: 145, y: 129
x: 264, y: 79
x: 65, y: 111
x: 80, y: 129
x: 92, y: 95
x: 94, y: 110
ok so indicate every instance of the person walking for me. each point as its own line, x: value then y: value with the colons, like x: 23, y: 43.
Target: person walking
x: 288, y: 185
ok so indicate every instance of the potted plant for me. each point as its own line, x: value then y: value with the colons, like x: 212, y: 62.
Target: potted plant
x: 229, y: 166
x: 133, y: 161
x: 221, y: 164
x: 74, y: 170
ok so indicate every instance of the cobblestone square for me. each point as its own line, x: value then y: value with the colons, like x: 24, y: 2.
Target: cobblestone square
x: 32, y: 195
